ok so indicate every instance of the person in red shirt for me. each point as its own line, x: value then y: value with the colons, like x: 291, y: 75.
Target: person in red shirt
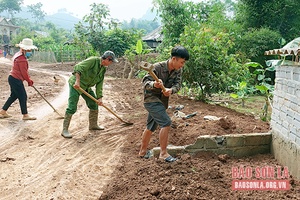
x: 17, y: 75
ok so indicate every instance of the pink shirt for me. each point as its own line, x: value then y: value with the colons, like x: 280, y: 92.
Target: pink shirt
x: 20, y: 67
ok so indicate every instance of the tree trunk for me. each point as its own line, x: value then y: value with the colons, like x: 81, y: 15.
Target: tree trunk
x: 132, y: 67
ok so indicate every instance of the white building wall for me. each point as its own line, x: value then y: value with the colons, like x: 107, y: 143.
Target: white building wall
x: 285, y: 119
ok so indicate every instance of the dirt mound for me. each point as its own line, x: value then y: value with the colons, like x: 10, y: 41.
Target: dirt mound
x: 226, y: 123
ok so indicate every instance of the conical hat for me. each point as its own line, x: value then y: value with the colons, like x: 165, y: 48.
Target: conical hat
x: 26, y: 44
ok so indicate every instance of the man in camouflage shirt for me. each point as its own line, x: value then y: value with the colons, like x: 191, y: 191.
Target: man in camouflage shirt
x: 156, y: 100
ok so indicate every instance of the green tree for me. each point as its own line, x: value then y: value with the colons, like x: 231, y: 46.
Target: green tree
x: 58, y: 35
x: 208, y: 32
x: 80, y: 39
x: 98, y: 18
x: 36, y: 11
x: 103, y: 33
x: 256, y: 41
x: 119, y: 40
x: 43, y: 42
x: 11, y: 6
x: 93, y: 27
x: 50, y: 26
x: 220, y: 18
x: 277, y: 15
x: 175, y: 15
x: 211, y: 68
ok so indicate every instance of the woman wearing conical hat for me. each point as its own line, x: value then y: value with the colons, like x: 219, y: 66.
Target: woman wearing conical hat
x: 17, y: 75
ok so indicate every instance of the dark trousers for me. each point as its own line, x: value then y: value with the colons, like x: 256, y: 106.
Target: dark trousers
x: 17, y: 91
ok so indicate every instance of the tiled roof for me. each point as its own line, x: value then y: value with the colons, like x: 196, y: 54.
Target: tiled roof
x: 291, y: 48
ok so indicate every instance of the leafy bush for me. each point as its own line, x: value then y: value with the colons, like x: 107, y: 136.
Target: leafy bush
x: 256, y: 41
x: 210, y: 67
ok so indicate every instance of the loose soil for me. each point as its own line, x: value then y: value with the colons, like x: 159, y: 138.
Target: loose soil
x: 36, y: 162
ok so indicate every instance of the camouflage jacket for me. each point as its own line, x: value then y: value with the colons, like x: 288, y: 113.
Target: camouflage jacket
x: 170, y: 80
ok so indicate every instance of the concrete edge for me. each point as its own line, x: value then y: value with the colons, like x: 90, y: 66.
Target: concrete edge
x: 235, y: 145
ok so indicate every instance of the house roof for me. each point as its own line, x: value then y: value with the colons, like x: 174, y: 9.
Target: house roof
x: 155, y: 35
x: 7, y: 22
x: 42, y: 33
x: 291, y: 48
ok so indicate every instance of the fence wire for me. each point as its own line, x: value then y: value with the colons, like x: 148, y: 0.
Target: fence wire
x: 57, y: 56
x: 44, y: 57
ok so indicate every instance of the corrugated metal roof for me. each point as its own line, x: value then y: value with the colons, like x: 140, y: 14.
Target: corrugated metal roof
x: 283, y: 51
x: 291, y: 48
x: 155, y: 35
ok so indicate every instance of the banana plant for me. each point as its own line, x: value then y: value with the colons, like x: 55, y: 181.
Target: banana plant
x: 263, y: 86
x: 130, y: 56
x: 131, y: 53
x: 241, y: 92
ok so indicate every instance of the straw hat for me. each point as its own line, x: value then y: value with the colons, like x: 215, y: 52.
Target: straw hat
x: 26, y: 44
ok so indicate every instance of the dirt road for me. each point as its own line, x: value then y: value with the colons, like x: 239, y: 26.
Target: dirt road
x: 37, y: 163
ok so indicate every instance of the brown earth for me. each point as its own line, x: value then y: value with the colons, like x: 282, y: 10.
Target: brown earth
x: 37, y: 163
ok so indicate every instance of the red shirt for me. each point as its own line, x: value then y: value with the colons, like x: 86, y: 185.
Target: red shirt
x: 20, y: 67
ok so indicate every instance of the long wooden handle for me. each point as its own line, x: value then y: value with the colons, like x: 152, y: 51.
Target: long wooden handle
x: 94, y: 99
x: 156, y: 79
x: 46, y: 101
x: 149, y: 69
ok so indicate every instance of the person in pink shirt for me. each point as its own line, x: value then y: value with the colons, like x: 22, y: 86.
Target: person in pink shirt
x: 17, y: 75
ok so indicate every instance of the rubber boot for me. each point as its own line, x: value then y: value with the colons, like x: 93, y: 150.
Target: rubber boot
x: 65, y: 133
x: 93, y: 121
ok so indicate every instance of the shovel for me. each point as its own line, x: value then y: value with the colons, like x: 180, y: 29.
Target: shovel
x: 112, y: 112
x: 60, y: 116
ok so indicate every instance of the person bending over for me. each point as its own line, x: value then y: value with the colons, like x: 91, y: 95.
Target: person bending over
x: 156, y: 100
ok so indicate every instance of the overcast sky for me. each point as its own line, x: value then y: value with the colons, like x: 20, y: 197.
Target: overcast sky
x: 119, y: 9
